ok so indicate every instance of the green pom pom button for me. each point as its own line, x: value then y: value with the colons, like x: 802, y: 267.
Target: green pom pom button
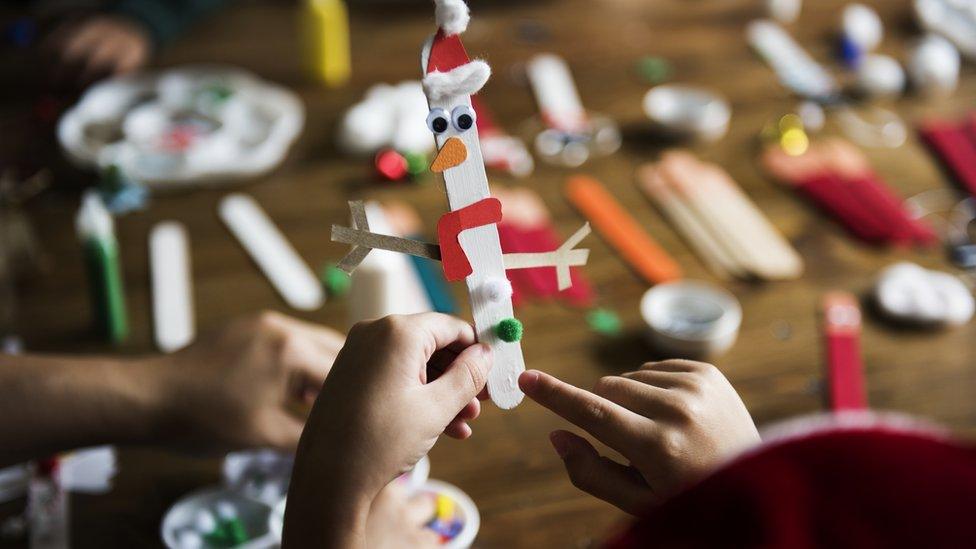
x: 509, y: 330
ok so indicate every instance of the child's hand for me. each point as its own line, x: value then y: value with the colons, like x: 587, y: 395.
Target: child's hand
x: 378, y: 413
x: 91, y: 48
x: 398, y: 519
x: 674, y: 421
x: 247, y: 385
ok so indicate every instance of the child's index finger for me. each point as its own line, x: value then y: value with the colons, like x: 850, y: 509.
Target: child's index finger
x: 610, y: 423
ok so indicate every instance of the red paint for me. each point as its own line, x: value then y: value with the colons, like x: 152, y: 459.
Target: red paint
x: 449, y: 227
x: 446, y: 53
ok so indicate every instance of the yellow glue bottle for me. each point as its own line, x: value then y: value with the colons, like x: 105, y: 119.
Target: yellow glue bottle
x: 326, y: 30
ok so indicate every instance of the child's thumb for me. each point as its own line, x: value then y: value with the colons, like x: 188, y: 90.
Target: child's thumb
x: 464, y: 378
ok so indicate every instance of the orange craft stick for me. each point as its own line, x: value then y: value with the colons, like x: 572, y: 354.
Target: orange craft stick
x: 621, y: 230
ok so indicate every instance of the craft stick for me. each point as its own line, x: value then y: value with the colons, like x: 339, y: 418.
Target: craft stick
x: 172, y: 286
x: 891, y: 209
x: 686, y: 222
x: 544, y: 237
x: 957, y: 152
x: 432, y: 277
x: 376, y: 241
x: 623, y: 233
x: 556, y: 94
x: 845, y: 371
x: 562, y: 258
x: 832, y: 194
x: 272, y: 252
x: 96, y: 231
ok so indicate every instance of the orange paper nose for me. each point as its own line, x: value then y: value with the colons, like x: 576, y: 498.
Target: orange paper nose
x: 451, y: 154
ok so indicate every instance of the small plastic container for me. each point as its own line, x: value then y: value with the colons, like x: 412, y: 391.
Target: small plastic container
x: 691, y: 319
x: 687, y: 112
x: 183, y: 524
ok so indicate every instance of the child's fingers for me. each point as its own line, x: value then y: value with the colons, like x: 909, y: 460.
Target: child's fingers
x: 640, y: 398
x: 664, y: 380
x: 420, y: 509
x: 599, y: 476
x: 441, y: 330
x: 463, y: 379
x: 677, y: 365
x: 471, y: 410
x: 612, y: 424
x: 458, y: 428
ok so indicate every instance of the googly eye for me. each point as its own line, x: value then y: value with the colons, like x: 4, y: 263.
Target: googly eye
x: 438, y: 121
x: 463, y: 118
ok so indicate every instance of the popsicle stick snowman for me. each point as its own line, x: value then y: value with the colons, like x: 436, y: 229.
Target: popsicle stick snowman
x: 468, y: 244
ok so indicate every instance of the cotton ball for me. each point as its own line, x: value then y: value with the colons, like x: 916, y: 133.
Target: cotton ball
x: 862, y: 26
x: 880, y: 75
x: 784, y: 11
x: 496, y: 289
x: 933, y: 66
x: 411, y: 134
x: 907, y: 292
x: 189, y: 539
x: 367, y: 127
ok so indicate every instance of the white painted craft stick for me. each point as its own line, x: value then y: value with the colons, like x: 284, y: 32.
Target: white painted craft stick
x: 555, y: 92
x: 272, y: 252
x: 172, y: 286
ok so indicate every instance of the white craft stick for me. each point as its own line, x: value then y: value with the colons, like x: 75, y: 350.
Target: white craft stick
x: 467, y: 184
x: 172, y: 286
x: 272, y: 252
x: 555, y: 92
x: 794, y: 67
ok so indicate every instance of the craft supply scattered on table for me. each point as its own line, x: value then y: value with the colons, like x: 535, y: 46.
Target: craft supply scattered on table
x: 218, y: 517
x: 468, y: 244
x: 933, y: 66
x: 621, y: 231
x: 954, y: 20
x: 174, y: 325
x: 327, y: 47
x: 687, y: 112
x: 837, y: 177
x: 726, y: 229
x: 183, y: 126
x: 954, y: 143
x: 842, y: 354
x: 570, y: 135
x: 385, y: 282
x: 690, y: 319
x: 389, y: 121
x: 910, y: 294
x: 276, y: 257
x: 96, y: 231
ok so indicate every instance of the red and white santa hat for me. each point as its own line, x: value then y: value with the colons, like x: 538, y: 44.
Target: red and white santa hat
x: 448, y: 71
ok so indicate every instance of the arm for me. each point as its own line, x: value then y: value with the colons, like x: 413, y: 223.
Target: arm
x: 674, y: 421
x: 236, y: 388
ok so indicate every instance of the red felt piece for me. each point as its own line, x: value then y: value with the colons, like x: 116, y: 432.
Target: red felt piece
x: 446, y: 53
x: 449, y: 226
x: 890, y: 208
x: 484, y: 119
x: 956, y: 150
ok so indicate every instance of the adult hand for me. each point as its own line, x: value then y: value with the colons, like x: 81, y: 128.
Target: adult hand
x: 674, y: 421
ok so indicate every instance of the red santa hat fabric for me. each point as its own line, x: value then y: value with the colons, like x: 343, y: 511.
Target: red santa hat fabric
x: 880, y: 485
x: 448, y: 71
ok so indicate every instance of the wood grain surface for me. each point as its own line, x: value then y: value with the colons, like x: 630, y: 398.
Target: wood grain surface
x: 508, y: 467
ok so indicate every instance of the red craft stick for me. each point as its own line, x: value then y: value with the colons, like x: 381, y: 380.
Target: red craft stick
x: 450, y: 225
x: 833, y: 195
x: 845, y: 371
x: 956, y: 150
x: 890, y: 208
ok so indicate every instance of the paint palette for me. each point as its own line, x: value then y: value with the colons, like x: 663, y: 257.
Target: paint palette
x: 183, y: 126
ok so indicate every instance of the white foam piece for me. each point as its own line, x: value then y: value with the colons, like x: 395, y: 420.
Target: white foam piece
x: 172, y: 286
x: 555, y: 92
x: 909, y: 293
x: 272, y: 252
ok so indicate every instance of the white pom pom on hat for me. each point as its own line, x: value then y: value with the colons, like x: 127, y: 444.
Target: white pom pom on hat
x: 452, y: 16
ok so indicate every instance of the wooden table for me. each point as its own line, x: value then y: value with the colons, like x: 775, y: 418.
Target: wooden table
x: 508, y: 467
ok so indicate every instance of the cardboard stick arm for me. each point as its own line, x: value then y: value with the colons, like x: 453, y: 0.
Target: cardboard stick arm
x: 562, y: 258
x: 363, y: 241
